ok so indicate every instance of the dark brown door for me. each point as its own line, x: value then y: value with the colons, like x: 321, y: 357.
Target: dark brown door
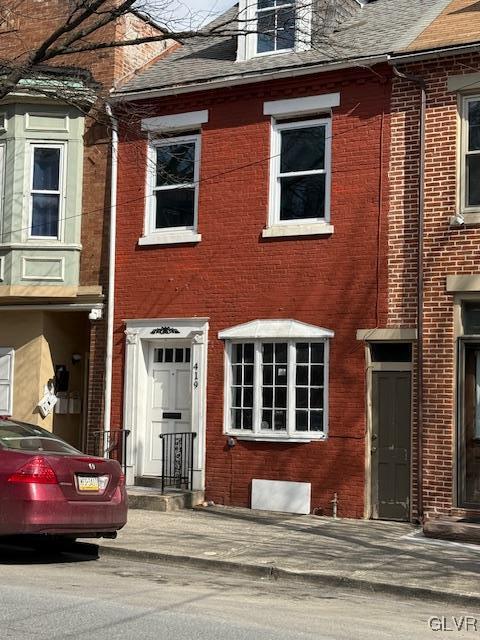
x: 391, y: 407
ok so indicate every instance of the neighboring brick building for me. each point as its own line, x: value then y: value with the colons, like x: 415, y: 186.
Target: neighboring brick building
x: 252, y: 257
x: 442, y: 58
x: 54, y: 256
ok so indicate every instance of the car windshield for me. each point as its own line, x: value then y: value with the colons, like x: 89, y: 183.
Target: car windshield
x: 26, y: 437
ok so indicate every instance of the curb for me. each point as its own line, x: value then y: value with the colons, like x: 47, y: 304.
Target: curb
x: 275, y: 573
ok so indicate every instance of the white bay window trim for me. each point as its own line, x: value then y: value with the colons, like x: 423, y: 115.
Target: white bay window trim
x: 310, y: 226
x: 259, y: 332
x: 169, y: 235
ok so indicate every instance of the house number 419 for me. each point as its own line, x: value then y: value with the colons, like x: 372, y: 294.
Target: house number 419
x: 195, y: 375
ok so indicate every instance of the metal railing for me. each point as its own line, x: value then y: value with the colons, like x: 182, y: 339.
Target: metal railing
x: 112, y: 444
x: 177, y: 460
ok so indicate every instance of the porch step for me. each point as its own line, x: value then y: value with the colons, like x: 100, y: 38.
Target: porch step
x: 152, y: 499
x: 456, y: 529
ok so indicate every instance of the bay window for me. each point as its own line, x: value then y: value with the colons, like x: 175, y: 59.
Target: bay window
x: 277, y: 388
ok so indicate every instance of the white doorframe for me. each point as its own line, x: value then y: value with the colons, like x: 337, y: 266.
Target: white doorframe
x: 139, y: 335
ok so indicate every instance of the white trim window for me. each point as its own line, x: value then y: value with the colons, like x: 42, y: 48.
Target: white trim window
x: 276, y: 388
x: 46, y: 189
x: 276, y: 20
x: 470, y: 154
x: 7, y: 357
x: 300, y: 172
x: 173, y: 185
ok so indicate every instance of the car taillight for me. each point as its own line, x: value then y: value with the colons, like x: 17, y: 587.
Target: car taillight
x: 36, y: 471
x: 121, y: 480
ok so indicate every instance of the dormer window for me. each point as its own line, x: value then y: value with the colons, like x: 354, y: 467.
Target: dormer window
x: 272, y: 26
x: 275, y: 25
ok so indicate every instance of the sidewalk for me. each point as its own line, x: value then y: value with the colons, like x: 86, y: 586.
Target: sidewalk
x: 379, y: 556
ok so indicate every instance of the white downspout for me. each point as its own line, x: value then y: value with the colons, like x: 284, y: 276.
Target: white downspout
x: 107, y: 414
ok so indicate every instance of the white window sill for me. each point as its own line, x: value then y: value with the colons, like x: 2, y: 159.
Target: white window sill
x: 173, y: 237
x: 277, y: 438
x: 308, y: 229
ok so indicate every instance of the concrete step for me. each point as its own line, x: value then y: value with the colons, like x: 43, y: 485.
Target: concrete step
x: 455, y: 529
x: 151, y: 499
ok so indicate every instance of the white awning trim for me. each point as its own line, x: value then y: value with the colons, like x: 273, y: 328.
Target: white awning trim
x: 275, y: 329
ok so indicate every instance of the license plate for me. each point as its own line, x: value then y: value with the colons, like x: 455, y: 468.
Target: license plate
x: 86, y: 483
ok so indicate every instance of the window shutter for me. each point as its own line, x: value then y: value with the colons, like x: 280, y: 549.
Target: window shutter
x: 6, y: 381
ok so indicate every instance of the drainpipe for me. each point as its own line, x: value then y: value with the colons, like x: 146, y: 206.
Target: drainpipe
x: 111, y: 271
x: 420, y: 82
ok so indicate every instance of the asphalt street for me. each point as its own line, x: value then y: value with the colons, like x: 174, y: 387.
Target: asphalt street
x: 82, y: 596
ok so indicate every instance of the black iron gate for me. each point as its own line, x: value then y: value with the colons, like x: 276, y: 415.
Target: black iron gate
x: 177, y: 460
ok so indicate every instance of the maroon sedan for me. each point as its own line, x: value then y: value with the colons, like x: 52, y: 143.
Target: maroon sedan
x: 48, y: 487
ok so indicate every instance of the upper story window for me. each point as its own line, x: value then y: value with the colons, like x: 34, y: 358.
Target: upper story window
x: 275, y: 25
x: 300, y: 172
x: 46, y: 191
x: 470, y: 155
x: 172, y: 206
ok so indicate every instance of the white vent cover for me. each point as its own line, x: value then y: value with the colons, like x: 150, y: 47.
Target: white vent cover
x: 278, y: 495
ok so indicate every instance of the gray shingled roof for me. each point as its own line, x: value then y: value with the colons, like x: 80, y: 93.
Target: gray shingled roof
x: 380, y: 27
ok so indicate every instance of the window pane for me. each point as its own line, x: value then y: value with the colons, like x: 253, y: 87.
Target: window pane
x: 316, y: 376
x: 267, y: 397
x: 237, y: 353
x: 178, y: 355
x: 286, y: 28
x: 175, y: 208
x: 248, y: 374
x: 248, y: 397
x: 236, y: 418
x: 168, y: 355
x: 281, y: 352
x: 267, y: 351
x: 302, y: 375
x: 280, y: 374
x: 317, y: 352
x: 265, y: 4
x: 301, y: 398
x: 237, y: 374
x: 158, y: 355
x: 303, y: 149
x: 46, y: 169
x: 248, y: 353
x: 268, y: 374
x: 280, y: 420
x: 45, y: 210
x: 281, y: 397
x: 316, y: 398
x: 176, y: 164
x: 302, y: 352
x: 302, y: 197
x: 267, y: 420
x: 247, y: 419
x: 474, y: 126
x: 265, y: 42
x: 473, y: 181
x: 316, y: 421
x: 187, y: 355
x: 236, y: 396
x: 301, y: 420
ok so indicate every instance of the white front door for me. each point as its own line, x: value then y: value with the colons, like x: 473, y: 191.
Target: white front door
x: 169, y: 400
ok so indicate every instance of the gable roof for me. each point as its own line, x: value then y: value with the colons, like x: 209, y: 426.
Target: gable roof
x: 374, y: 30
x: 459, y: 23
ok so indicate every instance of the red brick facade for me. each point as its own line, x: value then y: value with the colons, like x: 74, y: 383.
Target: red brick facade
x: 448, y: 251
x: 233, y: 275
